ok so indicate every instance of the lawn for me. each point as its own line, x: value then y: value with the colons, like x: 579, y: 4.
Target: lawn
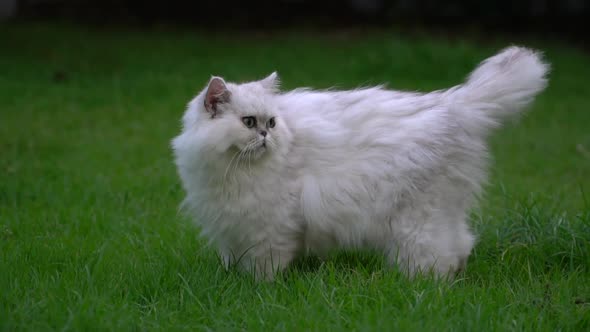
x: 90, y: 237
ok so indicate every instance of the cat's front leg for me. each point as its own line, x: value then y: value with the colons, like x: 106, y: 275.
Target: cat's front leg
x: 262, y: 261
x: 267, y: 264
x: 226, y: 257
x: 440, y: 247
x: 265, y: 253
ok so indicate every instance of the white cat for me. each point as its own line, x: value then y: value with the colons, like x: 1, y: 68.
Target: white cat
x: 271, y: 175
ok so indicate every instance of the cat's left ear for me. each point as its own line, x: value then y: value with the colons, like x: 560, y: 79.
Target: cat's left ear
x: 271, y: 82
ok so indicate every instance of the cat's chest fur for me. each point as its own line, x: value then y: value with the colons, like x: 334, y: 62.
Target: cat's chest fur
x: 237, y: 207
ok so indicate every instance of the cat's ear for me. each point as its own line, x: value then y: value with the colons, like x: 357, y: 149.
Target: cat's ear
x: 271, y: 82
x: 217, y: 93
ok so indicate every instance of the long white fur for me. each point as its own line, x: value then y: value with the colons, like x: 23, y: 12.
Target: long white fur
x: 368, y: 168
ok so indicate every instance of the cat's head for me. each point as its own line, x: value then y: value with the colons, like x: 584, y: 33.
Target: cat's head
x: 238, y: 118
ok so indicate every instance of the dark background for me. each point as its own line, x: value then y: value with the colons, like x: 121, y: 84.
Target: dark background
x: 565, y: 20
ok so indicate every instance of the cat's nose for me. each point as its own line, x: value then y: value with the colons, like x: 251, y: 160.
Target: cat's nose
x: 263, y: 133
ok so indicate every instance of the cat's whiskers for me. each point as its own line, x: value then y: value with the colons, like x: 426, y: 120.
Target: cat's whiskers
x: 228, y: 167
x: 272, y: 143
x: 240, y: 157
x: 236, y: 157
x: 250, y: 152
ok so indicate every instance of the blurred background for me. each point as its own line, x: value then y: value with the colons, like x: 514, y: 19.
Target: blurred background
x: 561, y: 19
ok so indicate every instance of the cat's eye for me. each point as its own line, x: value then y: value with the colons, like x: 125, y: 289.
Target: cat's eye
x: 249, y: 121
x: 271, y: 123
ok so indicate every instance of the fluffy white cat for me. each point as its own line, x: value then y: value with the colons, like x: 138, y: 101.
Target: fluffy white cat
x: 271, y: 175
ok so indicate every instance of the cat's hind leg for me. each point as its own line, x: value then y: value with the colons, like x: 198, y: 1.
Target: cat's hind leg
x: 434, y: 245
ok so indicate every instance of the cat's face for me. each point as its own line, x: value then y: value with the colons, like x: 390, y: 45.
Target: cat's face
x: 261, y: 134
x: 240, y: 119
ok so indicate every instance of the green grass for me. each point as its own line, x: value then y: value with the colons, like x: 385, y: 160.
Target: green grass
x: 90, y: 237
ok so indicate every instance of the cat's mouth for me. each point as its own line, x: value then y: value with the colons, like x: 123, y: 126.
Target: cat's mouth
x: 258, y: 149
x: 261, y: 146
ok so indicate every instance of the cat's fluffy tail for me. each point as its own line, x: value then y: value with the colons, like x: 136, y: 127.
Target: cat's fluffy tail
x: 499, y: 87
